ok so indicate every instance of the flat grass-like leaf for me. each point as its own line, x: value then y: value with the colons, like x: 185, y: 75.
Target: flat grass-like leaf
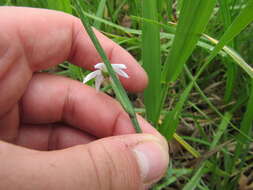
x: 241, y: 21
x: 232, y: 69
x: 171, y: 177
x: 245, y: 126
x: 235, y: 56
x: 221, y: 129
x: 151, y: 60
x: 225, y: 12
x: 193, y: 19
x: 197, y: 155
x: 100, y: 11
x: 195, y: 180
x: 242, y: 146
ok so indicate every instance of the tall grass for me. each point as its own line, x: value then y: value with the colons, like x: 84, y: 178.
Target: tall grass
x: 198, y: 55
x: 193, y: 18
x: 151, y: 58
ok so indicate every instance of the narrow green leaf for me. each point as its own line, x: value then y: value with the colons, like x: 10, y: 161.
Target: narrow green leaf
x: 196, y: 154
x: 193, y: 19
x: 118, y: 10
x: 151, y: 60
x: 221, y: 129
x: 172, y: 176
x: 225, y: 12
x: 235, y: 56
x: 241, y: 21
x: 245, y: 126
x: 232, y: 69
x: 179, y: 106
x: 100, y: 12
x: 117, y: 87
x: 192, y: 184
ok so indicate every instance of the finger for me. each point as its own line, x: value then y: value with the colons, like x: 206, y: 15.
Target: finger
x: 51, y: 98
x: 35, y: 39
x: 115, y: 53
x: 59, y: 136
x: 142, y: 160
x: 51, y: 137
x: 9, y: 124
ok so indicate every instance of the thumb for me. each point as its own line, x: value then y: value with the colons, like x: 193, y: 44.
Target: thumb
x: 120, y: 162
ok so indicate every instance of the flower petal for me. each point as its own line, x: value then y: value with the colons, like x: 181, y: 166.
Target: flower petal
x: 100, y: 66
x: 121, y: 72
x: 91, y: 75
x: 120, y: 66
x: 98, y: 82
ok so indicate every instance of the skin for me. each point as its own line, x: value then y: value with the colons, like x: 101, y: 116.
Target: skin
x: 43, y: 117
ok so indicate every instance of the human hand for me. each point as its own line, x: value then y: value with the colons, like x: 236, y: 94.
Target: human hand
x: 45, y: 112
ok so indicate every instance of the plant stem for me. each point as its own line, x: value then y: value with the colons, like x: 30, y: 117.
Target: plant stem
x: 117, y: 87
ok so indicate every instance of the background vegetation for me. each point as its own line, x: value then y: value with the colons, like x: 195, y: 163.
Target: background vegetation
x: 198, y: 55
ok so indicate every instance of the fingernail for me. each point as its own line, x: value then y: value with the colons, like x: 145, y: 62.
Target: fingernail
x: 152, y: 158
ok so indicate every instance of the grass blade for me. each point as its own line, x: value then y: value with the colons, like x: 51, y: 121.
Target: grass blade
x: 235, y: 56
x: 232, y: 70
x: 242, y: 145
x: 100, y: 12
x: 193, y: 19
x: 117, y: 87
x: 151, y: 60
x: 192, y: 184
x: 221, y: 129
x: 245, y: 126
x: 241, y: 21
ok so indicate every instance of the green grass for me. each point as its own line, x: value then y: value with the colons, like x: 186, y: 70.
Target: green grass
x: 198, y: 55
x: 151, y: 58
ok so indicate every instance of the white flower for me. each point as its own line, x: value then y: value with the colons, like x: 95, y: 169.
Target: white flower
x: 99, y: 73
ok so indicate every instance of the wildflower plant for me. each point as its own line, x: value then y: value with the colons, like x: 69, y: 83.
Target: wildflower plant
x: 101, y: 73
x: 116, y: 85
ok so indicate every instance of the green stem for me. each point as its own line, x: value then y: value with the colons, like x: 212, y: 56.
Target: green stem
x: 117, y: 87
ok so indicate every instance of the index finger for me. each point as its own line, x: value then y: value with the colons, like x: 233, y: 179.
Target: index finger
x: 50, y: 37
